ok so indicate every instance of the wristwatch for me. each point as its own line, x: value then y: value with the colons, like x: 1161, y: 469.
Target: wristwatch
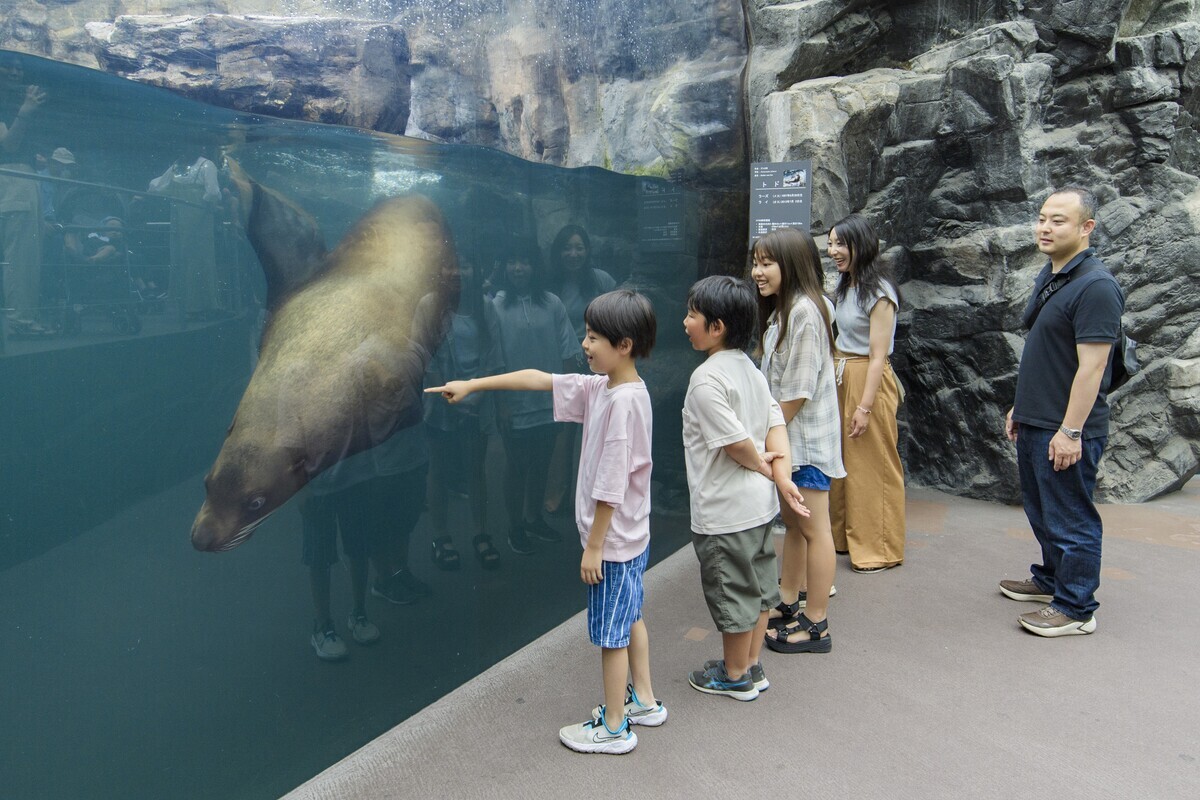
x: 1071, y: 433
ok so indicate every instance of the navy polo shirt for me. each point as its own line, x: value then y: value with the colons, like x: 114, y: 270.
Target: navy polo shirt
x: 1087, y: 309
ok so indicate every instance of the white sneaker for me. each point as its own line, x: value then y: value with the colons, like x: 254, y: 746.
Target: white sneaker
x: 362, y: 629
x: 637, y: 714
x: 595, y: 737
x: 329, y: 645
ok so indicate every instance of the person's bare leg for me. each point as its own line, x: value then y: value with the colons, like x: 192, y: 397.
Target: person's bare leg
x: 639, y: 662
x: 358, y: 584
x: 614, y: 663
x: 756, y: 639
x: 318, y: 581
x: 794, y: 564
x: 737, y: 647
x: 822, y: 561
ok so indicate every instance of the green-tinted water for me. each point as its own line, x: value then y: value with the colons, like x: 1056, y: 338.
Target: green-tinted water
x: 132, y: 665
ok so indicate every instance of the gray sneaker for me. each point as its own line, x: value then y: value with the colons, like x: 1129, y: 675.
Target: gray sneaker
x: 756, y: 673
x: 1024, y: 591
x: 593, y: 737
x: 1049, y: 621
x: 329, y: 645
x: 717, y: 681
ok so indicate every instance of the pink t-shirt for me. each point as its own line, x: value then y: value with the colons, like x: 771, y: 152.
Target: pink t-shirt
x: 614, y: 459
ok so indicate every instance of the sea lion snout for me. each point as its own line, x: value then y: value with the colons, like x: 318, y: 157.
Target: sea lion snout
x: 204, y: 535
x: 209, y: 535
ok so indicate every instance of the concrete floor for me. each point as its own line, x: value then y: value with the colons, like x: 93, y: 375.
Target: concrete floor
x: 932, y: 690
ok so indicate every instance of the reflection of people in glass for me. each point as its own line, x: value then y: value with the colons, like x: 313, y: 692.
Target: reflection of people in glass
x: 576, y: 282
x: 458, y: 434
x: 534, y: 334
x: 103, y: 246
x: 193, y: 281
x: 20, y: 203
x: 373, y: 500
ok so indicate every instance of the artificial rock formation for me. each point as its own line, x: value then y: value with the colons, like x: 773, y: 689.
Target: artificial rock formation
x: 646, y: 89
x: 947, y: 128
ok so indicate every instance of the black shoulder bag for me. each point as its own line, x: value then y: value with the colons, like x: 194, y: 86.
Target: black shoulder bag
x: 1124, y: 361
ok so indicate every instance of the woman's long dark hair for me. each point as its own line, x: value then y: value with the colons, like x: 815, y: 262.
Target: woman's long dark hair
x: 868, y: 272
x: 521, y: 248
x: 587, y: 277
x: 800, y: 274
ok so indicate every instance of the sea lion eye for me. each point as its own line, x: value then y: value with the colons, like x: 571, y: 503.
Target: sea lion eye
x: 257, y: 503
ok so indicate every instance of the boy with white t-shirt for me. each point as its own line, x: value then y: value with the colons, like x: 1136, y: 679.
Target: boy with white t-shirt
x: 612, y: 505
x: 735, y: 444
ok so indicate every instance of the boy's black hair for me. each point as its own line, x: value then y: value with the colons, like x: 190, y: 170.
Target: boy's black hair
x: 623, y: 314
x: 730, y: 300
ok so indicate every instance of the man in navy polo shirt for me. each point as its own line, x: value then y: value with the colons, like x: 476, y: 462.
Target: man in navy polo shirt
x: 1059, y: 420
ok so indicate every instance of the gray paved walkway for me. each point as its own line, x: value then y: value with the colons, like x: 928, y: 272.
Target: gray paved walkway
x: 931, y: 691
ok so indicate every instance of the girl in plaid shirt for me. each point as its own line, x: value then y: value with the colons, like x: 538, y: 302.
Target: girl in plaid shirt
x: 797, y: 360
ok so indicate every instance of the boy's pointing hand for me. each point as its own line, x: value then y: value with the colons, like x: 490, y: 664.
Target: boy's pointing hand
x: 454, y: 391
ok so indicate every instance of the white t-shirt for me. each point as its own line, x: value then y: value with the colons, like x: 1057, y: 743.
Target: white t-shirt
x: 614, y: 458
x: 727, y: 401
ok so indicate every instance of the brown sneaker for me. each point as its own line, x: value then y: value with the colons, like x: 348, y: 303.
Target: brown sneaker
x: 1026, y: 591
x: 1049, y: 621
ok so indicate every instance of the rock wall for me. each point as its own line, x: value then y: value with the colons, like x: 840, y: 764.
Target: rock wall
x: 947, y: 128
x: 638, y: 88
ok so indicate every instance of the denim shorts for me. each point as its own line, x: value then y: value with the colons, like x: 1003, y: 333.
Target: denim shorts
x: 807, y: 477
x: 615, y: 603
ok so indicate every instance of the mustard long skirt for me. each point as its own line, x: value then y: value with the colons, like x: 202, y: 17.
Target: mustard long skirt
x: 866, y: 507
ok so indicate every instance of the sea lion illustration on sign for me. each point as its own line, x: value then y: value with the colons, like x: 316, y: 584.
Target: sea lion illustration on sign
x: 340, y: 365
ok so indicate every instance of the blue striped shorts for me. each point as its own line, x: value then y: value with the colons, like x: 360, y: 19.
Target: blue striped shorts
x: 615, y: 603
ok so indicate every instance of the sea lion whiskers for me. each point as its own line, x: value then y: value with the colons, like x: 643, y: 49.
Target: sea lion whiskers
x: 244, y: 534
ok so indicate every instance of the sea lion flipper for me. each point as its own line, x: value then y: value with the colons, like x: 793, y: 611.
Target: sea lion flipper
x: 287, y: 239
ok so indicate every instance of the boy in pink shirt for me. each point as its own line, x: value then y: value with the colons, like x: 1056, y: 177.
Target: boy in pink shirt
x: 612, y: 505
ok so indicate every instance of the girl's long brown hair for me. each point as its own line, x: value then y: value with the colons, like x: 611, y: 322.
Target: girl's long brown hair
x: 800, y: 269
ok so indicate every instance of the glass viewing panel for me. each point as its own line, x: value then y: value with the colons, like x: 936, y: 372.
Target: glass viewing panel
x: 138, y: 231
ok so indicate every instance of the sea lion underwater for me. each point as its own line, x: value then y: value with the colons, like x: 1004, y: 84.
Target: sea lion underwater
x: 339, y: 367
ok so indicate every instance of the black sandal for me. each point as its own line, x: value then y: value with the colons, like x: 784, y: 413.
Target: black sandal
x: 788, y: 611
x: 445, y: 554
x: 815, y: 643
x: 489, y: 556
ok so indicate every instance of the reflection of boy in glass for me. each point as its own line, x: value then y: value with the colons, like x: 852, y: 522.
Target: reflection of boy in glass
x: 373, y: 500
x: 576, y: 281
x: 535, y: 334
x: 470, y: 337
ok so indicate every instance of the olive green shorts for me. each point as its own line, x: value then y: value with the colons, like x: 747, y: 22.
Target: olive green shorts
x: 739, y: 576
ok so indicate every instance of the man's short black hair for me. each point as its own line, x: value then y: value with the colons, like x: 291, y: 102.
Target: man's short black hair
x: 624, y: 314
x: 1087, y: 200
x: 730, y: 300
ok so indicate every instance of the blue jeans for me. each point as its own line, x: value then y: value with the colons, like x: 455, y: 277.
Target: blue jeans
x: 1064, y: 520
